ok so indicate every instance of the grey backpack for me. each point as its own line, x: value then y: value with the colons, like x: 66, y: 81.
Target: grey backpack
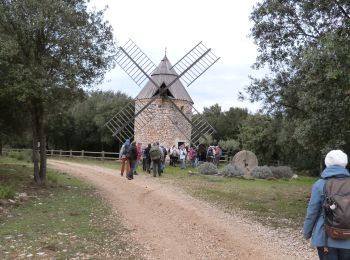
x: 337, y: 207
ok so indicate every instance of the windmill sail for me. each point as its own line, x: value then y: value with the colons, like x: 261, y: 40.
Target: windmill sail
x: 163, y: 89
x: 195, y: 63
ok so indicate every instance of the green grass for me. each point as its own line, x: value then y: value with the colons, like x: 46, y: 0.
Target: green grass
x: 273, y: 202
x: 64, y: 219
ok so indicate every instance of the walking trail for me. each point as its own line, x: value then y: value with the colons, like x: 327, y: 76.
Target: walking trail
x: 170, y: 224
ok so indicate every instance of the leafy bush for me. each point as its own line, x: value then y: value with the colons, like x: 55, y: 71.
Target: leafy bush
x: 7, y: 192
x: 207, y: 169
x: 25, y: 155
x: 231, y: 170
x: 281, y: 172
x: 230, y: 146
x: 262, y: 172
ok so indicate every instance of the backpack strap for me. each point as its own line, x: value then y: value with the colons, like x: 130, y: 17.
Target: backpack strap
x: 325, y: 248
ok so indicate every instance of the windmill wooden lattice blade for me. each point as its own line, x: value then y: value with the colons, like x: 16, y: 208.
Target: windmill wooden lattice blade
x: 122, y: 124
x: 200, y: 126
x: 135, y: 63
x: 195, y: 63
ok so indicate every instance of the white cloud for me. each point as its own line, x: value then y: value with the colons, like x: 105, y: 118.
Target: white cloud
x: 222, y: 25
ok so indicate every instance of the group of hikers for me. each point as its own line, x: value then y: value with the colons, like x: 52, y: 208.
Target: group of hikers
x: 154, y: 156
x: 327, y: 219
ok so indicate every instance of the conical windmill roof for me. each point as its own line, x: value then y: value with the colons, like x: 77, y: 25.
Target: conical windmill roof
x: 164, y: 74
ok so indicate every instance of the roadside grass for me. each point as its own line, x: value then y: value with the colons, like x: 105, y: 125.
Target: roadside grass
x: 64, y: 219
x: 273, y: 202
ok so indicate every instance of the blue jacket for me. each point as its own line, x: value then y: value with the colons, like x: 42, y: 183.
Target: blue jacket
x: 314, y: 220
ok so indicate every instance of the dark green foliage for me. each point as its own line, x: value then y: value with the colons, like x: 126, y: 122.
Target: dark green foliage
x: 306, y: 46
x: 231, y: 170
x: 81, y: 126
x: 262, y: 172
x: 226, y: 123
x: 207, y: 169
x: 281, y: 172
x: 49, y: 51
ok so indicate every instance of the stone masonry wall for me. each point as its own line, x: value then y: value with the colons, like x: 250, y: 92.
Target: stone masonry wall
x: 165, y: 125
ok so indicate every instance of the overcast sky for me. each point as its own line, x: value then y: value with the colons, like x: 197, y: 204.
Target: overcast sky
x: 221, y: 25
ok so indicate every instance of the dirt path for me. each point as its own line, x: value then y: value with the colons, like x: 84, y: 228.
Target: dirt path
x: 172, y: 225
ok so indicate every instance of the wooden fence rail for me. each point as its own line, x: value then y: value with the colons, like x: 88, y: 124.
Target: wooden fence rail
x: 84, y: 154
x: 70, y: 153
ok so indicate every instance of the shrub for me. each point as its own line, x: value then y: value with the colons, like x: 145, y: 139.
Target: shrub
x: 7, y: 192
x: 207, y: 169
x: 262, y: 172
x: 231, y: 170
x: 281, y: 172
x: 25, y: 155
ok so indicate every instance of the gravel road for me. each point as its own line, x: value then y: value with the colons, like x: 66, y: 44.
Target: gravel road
x: 170, y: 224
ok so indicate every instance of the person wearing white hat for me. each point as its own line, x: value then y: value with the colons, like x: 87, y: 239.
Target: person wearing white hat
x: 336, y: 161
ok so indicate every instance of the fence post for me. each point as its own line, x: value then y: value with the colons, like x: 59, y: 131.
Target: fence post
x: 51, y: 152
x: 82, y: 153
x: 103, y: 155
x: 60, y: 152
x: 70, y: 153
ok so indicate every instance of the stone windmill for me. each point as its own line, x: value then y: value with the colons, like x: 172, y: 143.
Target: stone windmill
x: 163, y: 110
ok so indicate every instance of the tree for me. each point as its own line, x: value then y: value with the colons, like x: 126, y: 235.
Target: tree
x: 259, y: 134
x: 50, y: 50
x: 13, y: 121
x: 226, y: 123
x: 90, y: 117
x: 306, y: 46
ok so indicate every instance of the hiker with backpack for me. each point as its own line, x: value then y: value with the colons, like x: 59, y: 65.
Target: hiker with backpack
x: 327, y: 219
x: 193, y: 156
x: 122, y: 155
x: 173, y: 154
x: 163, y: 158
x: 147, y: 158
x: 155, y: 157
x: 182, y: 156
x: 210, y: 154
x: 132, y: 158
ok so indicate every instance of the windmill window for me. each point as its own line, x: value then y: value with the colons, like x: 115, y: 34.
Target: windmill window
x: 168, y: 93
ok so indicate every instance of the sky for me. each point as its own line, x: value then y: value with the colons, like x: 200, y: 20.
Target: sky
x: 221, y: 25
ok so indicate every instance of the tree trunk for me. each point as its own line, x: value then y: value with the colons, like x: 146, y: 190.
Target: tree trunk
x: 39, y: 142
x: 43, y: 160
x: 35, y: 146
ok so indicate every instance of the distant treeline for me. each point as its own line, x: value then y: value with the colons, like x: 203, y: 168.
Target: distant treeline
x: 80, y: 126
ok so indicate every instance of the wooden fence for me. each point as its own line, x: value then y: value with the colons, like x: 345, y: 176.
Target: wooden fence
x: 84, y: 154
x: 77, y: 154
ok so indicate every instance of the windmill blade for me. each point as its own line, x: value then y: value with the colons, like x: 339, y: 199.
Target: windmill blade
x: 135, y: 63
x: 200, y: 126
x: 195, y: 63
x: 174, y: 122
x: 123, y: 123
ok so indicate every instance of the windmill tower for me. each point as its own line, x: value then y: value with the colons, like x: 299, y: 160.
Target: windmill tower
x: 163, y: 110
x: 167, y: 126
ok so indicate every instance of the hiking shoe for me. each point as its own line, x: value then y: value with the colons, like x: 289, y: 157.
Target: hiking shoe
x: 129, y: 178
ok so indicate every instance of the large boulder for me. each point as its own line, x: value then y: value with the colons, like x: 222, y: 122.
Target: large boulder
x: 246, y: 161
